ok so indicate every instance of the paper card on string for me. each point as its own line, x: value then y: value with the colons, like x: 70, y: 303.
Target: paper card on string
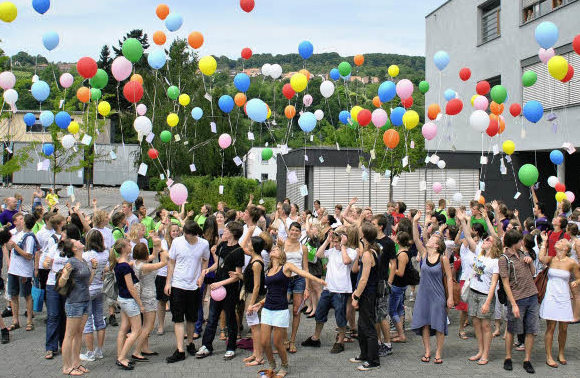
x: 266, y: 144
x: 305, y: 157
x: 321, y: 159
x: 495, y: 149
x: 73, y: 198
x: 150, y: 138
x: 362, y: 166
x: 337, y: 147
x: 292, y: 177
x: 251, y: 156
x: 395, y: 181
x: 483, y: 160
x: 185, y: 143
x: 169, y: 182
x: 250, y: 135
x: 303, y: 190
x: 61, y: 102
x: 87, y: 139
x: 177, y: 137
x: 373, y: 155
x: 70, y: 190
x: 348, y: 168
x: 376, y: 177
x: 477, y: 195
x: 482, y: 186
x: 192, y: 168
x: 311, y: 137
x: 213, y: 127
x: 405, y: 161
x: 113, y: 155
x: 517, y: 195
x: 365, y: 176
x: 39, y: 166
x: 261, y: 201
x: 80, y: 173
x: 46, y: 165
x: 143, y: 169
x: 221, y: 189
x: 427, y: 159
x: 9, y: 150
x: 284, y: 149
x: 140, y: 137
x: 502, y: 167
x: 423, y: 185
x: 523, y: 133
x: 208, y: 97
x: 508, y: 158
x: 387, y: 173
x: 412, y: 144
x: 237, y: 161
x: 162, y: 176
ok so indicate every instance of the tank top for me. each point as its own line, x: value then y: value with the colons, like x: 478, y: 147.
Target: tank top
x: 295, y: 258
x: 249, y: 278
x: 401, y: 281
x: 276, y: 297
x: 373, y: 280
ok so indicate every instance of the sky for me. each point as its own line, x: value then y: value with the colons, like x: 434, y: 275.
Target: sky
x: 348, y: 27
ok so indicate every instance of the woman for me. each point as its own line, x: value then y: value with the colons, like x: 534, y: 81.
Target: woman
x: 312, y: 241
x: 37, y: 197
x: 136, y: 235
x: 352, y: 242
x: 556, y: 306
x: 76, y: 305
x: 294, y: 212
x: 128, y: 300
x: 430, y: 313
x: 145, y: 273
x: 220, y: 218
x: 172, y: 232
x: 100, y: 222
x: 399, y: 286
x: 275, y: 314
x: 210, y: 233
x: 572, y: 230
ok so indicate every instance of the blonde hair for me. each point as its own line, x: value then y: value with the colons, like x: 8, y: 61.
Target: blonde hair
x: 134, y: 231
x: 496, y: 248
x: 282, y: 257
x: 352, y: 237
x: 100, y: 218
x: 168, y: 237
x: 116, y: 250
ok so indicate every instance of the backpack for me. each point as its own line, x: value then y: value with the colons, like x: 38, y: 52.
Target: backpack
x: 501, y: 294
x: 36, y: 246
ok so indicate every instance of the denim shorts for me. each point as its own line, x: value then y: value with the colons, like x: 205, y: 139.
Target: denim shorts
x: 95, y: 321
x: 529, y: 316
x: 276, y: 318
x: 19, y: 285
x: 297, y: 285
x: 397, y: 302
x: 336, y: 301
x: 129, y: 306
x: 76, y: 310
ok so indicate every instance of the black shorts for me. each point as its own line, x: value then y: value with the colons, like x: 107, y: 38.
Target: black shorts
x: 184, y: 304
x: 160, y: 288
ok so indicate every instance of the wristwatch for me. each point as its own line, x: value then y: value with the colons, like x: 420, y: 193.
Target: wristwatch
x: 356, y: 298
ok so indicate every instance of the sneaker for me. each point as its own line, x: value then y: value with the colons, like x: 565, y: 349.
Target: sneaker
x: 191, y: 349
x: 175, y: 357
x: 5, y: 336
x: 337, y: 348
x: 98, y: 354
x: 528, y: 367
x: 366, y: 366
x: 520, y: 347
x: 388, y: 349
x: 203, y: 352
x: 356, y: 360
x: 7, y: 313
x: 89, y: 356
x: 382, y: 350
x: 507, y: 364
x: 229, y: 355
x: 113, y: 321
x: 309, y: 342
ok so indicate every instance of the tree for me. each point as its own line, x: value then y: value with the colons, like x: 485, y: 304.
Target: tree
x: 135, y: 33
x: 105, y: 59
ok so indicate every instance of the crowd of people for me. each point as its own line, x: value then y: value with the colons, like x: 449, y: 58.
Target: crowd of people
x: 264, y: 270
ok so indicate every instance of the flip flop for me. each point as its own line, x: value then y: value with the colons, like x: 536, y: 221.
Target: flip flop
x: 49, y: 355
x: 482, y: 361
x: 474, y: 358
x: 249, y: 359
x: 255, y: 362
x: 555, y: 365
x: 463, y: 336
x: 426, y: 359
x: 562, y: 362
x: 438, y: 361
x: 29, y: 327
x: 74, y: 370
x: 82, y: 369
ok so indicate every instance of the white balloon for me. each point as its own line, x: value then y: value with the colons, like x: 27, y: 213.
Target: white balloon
x: 457, y: 197
x: 441, y: 164
x: 450, y: 183
x: 266, y: 69
x: 7, y: 80
x: 327, y: 88
x: 68, y: 141
x: 10, y: 96
x: 479, y: 120
x: 434, y: 159
x: 35, y: 78
x: 275, y: 71
x: 552, y: 181
x: 143, y: 125
x: 319, y: 114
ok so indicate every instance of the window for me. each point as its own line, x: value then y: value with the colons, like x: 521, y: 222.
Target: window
x: 36, y: 128
x: 496, y: 80
x: 490, y: 18
x: 264, y: 177
x: 532, y: 9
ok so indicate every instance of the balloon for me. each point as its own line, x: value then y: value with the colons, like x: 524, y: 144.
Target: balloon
x: 162, y: 11
x: 465, y: 74
x: 159, y: 38
x: 454, y: 106
x: 87, y: 67
x: 74, y: 127
x: 498, y: 94
x: 10, y: 96
x: 207, y: 65
x: 449, y: 94
x: 391, y: 138
x: 141, y: 109
x: 40, y: 90
x: 379, y: 118
x: 173, y: 22
x: 257, y: 110
x: 307, y: 122
x: 266, y: 69
x: 480, y: 102
x: 29, y: 119
x: 410, y: 119
x: 479, y: 120
x: 100, y: 80
x: 133, y: 91
x: 156, y: 59
x: 172, y: 119
x: 501, y: 122
x: 305, y: 49
x: 275, y: 71
x: 220, y: 293
x: 95, y: 94
x: 576, y: 46
x: 132, y: 49
x: 441, y: 59
x: 492, y: 128
x: 7, y: 80
x: 429, y: 130
x: 552, y: 181
x: 327, y: 88
x: 138, y: 78
x: 47, y: 149
x: 50, y: 40
x: 556, y: 157
x: 68, y: 141
x: 246, y: 53
x: 515, y: 109
x: 344, y: 68
x: 104, y: 108
x: 482, y: 88
x: 165, y: 136
x: 558, y: 67
x: 424, y: 87
x: 287, y: 91
x: 457, y: 197
x: 545, y: 55
x: 129, y: 191
x: 441, y: 164
x: 173, y: 92
x: 404, y: 89
x: 334, y: 74
x: 496, y: 108
x: 66, y: 80
x: 319, y: 114
x: 481, y: 200
x: 121, y: 68
x: 267, y: 154
x: 143, y: 125
x: 387, y: 91
x: 242, y: 82
x: 377, y: 102
x: 46, y: 118
x: 529, y: 78
x: 8, y: 11
x: 397, y: 116
x: 533, y: 111
x: 247, y: 6
x: 437, y: 187
x: 432, y: 111
x: 41, y: 6
x: 153, y: 153
x: 184, y: 99
x: 570, y: 196
x: 226, y: 103
x: 560, y: 196
x: 450, y: 183
x: 298, y: 82
x: 224, y: 141
x: 354, y: 112
x: 240, y: 99
x: 290, y: 111
x: 195, y: 39
x: 528, y: 174
x: 560, y: 187
x: 569, y: 74
x: 364, y: 117
x: 546, y: 34
x: 62, y: 120
x: 344, y: 116
x: 393, y: 70
x: 196, y: 113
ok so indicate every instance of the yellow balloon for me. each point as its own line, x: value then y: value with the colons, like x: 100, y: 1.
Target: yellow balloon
x: 558, y: 67
x: 184, y: 99
x: 269, y: 113
x: 104, y: 108
x: 172, y: 119
x: 509, y: 147
x: 354, y: 112
x: 410, y: 119
x: 560, y: 196
x: 473, y: 98
x: 8, y: 11
x: 207, y: 65
x: 73, y: 127
x: 298, y: 82
x: 393, y: 70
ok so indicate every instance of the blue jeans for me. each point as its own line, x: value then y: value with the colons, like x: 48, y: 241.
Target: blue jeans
x: 334, y: 300
x: 397, y: 303
x: 95, y: 321
x: 199, y: 323
x: 228, y: 305
x: 56, y: 319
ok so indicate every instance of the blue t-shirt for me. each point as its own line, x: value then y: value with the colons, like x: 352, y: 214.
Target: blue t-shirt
x: 121, y: 270
x: 6, y: 217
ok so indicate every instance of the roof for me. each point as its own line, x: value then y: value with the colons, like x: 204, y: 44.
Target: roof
x: 439, y: 7
x: 19, y: 111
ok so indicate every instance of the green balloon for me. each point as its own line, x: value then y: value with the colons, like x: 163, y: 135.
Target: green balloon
x: 424, y: 87
x: 529, y: 78
x: 386, y: 126
x: 498, y: 94
x: 344, y: 68
x: 100, y: 80
x: 95, y: 94
x: 173, y: 92
x: 165, y: 136
x: 267, y: 154
x: 528, y: 174
x: 132, y: 50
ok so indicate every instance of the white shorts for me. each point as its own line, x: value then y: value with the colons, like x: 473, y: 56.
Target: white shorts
x: 276, y: 318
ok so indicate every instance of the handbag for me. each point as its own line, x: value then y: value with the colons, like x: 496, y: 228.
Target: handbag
x: 541, y: 282
x: 37, y: 296
x: 465, y: 290
x: 411, y: 275
x: 66, y: 288
x: 110, y: 288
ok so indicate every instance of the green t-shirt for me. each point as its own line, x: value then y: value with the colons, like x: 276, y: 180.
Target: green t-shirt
x: 200, y: 219
x: 37, y: 226
x: 149, y: 226
x: 173, y: 220
x: 118, y: 234
x: 480, y: 221
x: 451, y: 222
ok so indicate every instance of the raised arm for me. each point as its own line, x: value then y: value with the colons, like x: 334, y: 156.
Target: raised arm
x: 490, y: 228
x: 320, y: 251
x: 544, y: 258
x: 466, y: 231
x: 289, y: 267
x: 416, y: 237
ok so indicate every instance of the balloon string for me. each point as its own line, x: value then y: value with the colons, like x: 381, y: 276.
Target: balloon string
x: 120, y: 121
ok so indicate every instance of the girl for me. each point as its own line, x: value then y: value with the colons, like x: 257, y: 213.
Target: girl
x: 399, y: 286
x: 575, y: 254
x: 220, y: 218
x: 171, y: 233
x: 137, y: 235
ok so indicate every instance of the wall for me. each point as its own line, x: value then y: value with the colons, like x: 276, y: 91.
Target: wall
x: 254, y: 168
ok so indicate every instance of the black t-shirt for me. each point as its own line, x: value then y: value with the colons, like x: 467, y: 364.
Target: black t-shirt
x: 229, y: 258
x: 388, y: 253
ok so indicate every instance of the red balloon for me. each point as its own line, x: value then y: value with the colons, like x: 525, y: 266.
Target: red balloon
x: 133, y: 91
x: 515, y: 109
x: 153, y: 153
x: 87, y: 67
x: 454, y: 107
x: 560, y: 187
x: 576, y: 44
x: 364, y: 117
x: 246, y: 53
x: 482, y: 88
x: 287, y: 91
x: 407, y: 103
x: 465, y: 74
x: 493, y: 127
x: 247, y: 5
x: 569, y: 75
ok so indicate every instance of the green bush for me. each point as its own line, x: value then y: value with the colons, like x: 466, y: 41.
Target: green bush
x: 269, y: 188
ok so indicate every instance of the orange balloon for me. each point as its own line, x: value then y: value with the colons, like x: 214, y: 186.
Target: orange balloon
x: 195, y: 39
x: 137, y: 77
x: 359, y: 60
x: 376, y: 102
x: 290, y: 111
x: 84, y: 94
x: 433, y: 110
x: 501, y: 121
x: 240, y: 99
x: 391, y: 138
x: 305, y: 73
x: 162, y: 11
x: 481, y: 200
x: 159, y: 38
x: 496, y: 108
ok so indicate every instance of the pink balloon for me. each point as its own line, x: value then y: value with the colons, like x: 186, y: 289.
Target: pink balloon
x: 404, y: 89
x: 429, y: 130
x: 225, y: 140
x: 437, y: 187
x: 141, y: 109
x: 480, y: 103
x: 178, y: 194
x: 7, y: 80
x: 545, y: 55
x: 570, y: 196
x: 218, y: 294
x: 379, y: 118
x: 121, y: 68
x: 307, y: 100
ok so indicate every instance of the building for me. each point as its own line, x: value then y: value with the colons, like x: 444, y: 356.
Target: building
x: 495, y: 40
x: 258, y: 169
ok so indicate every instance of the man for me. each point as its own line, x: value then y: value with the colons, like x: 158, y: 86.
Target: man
x: 149, y: 225
x: 230, y: 259
x: 516, y: 270
x: 451, y: 217
x: 559, y: 223
x: 9, y: 212
x: 476, y: 216
x: 188, y: 255
x: 441, y: 209
x: 285, y: 223
x: 337, y: 214
x: 127, y: 209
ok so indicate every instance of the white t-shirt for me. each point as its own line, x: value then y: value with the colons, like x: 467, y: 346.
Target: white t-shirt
x: 19, y: 266
x: 58, y: 262
x: 49, y: 244
x: 107, y: 236
x: 337, y: 273
x: 257, y: 232
x: 163, y: 271
x: 102, y: 261
x: 266, y: 258
x: 131, y: 219
x: 188, y: 260
x: 467, y: 260
x: 483, y: 270
x: 42, y: 236
x: 282, y: 233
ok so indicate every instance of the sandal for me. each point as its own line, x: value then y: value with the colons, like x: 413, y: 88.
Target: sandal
x: 249, y: 359
x: 74, y: 372
x: 291, y: 349
x: 438, y: 361
x: 348, y: 339
x: 14, y: 326
x: 255, y: 362
x: 281, y: 373
x: 462, y: 335
x: 82, y: 369
x: 49, y: 355
x: 29, y: 327
x: 482, y: 361
x: 426, y: 359
x: 397, y: 339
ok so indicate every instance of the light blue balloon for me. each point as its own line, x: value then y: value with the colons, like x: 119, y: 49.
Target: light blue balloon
x: 334, y: 74
x: 546, y: 34
x: 29, y: 119
x: 449, y: 94
x: 40, y: 90
x: 556, y: 157
x: 50, y: 40
x: 441, y: 59
x: 387, y: 91
x: 129, y: 191
x: 226, y: 103
x: 62, y: 120
x: 173, y: 21
x: 533, y: 111
x: 257, y: 110
x: 307, y: 122
x: 344, y: 116
x: 242, y: 82
x: 397, y: 116
x: 47, y: 149
x: 196, y: 113
x: 156, y: 59
x: 345, y: 78
x: 41, y: 6
x: 46, y: 118
x: 305, y: 49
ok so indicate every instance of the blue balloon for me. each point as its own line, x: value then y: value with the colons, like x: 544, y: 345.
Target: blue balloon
x: 397, y: 116
x: 129, y: 191
x: 449, y: 94
x: 41, y: 6
x: 533, y: 111
x: 156, y: 59
x: 441, y: 59
x: 40, y: 90
x: 257, y: 110
x: 50, y: 40
x: 46, y: 118
x: 29, y: 119
x: 62, y: 120
x: 173, y: 22
x: 47, y: 149
x: 242, y: 82
x: 344, y: 116
x: 387, y: 91
x: 196, y: 113
x: 307, y: 122
x: 345, y: 78
x: 546, y: 34
x: 556, y: 157
x: 305, y: 49
x: 226, y: 103
x: 334, y: 74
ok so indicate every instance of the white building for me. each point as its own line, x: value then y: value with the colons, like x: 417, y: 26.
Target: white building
x: 258, y: 169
